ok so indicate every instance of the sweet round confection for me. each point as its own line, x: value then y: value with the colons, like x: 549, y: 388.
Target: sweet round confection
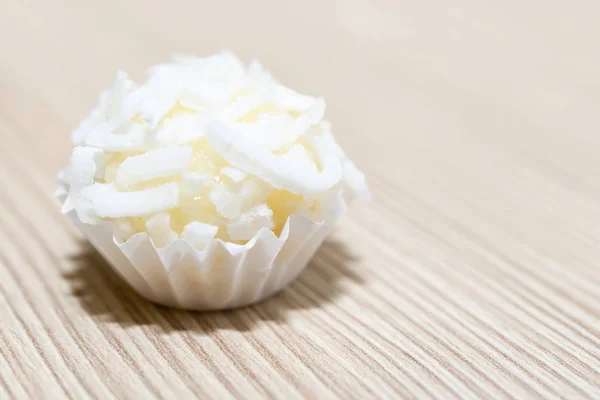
x: 207, y: 150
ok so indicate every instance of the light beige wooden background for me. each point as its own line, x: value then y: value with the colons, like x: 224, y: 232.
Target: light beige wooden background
x: 474, y: 272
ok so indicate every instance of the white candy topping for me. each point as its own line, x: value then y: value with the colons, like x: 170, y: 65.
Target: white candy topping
x: 167, y: 161
x: 205, y: 149
x: 245, y: 226
x: 159, y: 227
x: 107, y: 202
x: 199, y: 234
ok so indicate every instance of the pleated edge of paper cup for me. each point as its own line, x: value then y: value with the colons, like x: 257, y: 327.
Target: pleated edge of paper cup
x: 180, y: 276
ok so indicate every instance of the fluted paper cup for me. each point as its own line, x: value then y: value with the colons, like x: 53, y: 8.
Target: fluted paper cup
x: 223, y: 275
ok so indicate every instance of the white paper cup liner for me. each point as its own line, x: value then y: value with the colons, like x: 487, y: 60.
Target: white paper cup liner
x: 224, y: 275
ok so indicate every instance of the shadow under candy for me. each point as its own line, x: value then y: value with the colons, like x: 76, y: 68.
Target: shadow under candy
x: 108, y: 298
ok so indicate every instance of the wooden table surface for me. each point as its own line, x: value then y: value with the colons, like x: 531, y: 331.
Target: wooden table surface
x: 474, y: 272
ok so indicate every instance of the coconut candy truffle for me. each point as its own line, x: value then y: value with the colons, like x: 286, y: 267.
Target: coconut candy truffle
x: 210, y: 186
x: 205, y: 149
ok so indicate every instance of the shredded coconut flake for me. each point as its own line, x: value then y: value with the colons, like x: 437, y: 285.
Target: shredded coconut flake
x: 199, y: 234
x: 286, y: 98
x: 168, y: 161
x: 226, y: 201
x: 305, y: 121
x: 192, y: 182
x: 245, y: 226
x: 159, y: 228
x: 271, y: 132
x: 83, y: 166
x: 107, y: 202
x: 184, y: 129
x: 233, y: 173
x: 102, y: 138
x: 244, y: 104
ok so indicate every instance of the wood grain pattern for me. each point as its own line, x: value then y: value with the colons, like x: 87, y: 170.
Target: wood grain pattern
x: 474, y: 273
